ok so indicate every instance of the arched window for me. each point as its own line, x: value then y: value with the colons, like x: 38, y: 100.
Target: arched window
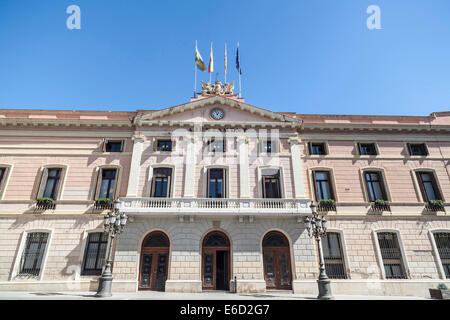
x: 275, y: 239
x: 216, y: 239
x: 156, y: 239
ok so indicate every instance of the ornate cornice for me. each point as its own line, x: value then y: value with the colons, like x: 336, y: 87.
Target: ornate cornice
x: 144, y: 119
x: 64, y: 123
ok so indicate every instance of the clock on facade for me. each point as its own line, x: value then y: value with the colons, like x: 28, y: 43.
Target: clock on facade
x: 217, y: 114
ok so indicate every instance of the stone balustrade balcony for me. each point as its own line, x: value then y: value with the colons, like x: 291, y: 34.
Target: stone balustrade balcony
x: 215, y: 206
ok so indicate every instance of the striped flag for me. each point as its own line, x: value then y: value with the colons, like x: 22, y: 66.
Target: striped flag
x: 211, y: 62
x: 199, y: 60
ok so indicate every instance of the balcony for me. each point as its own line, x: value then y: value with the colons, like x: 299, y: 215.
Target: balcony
x: 215, y: 206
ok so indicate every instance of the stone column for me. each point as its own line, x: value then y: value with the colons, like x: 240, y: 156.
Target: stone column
x: 135, y: 166
x: 243, y: 167
x: 297, y: 168
x: 189, y: 175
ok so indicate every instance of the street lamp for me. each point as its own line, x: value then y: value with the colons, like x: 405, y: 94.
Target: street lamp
x: 114, y: 223
x: 317, y: 227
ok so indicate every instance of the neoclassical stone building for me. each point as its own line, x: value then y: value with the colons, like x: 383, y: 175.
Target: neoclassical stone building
x: 216, y: 190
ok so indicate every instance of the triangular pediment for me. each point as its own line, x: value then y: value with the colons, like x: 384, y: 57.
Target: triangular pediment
x: 235, y: 111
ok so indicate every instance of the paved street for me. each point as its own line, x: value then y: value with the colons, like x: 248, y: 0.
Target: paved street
x: 153, y: 295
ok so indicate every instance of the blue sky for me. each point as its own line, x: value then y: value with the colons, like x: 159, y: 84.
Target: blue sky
x: 309, y: 56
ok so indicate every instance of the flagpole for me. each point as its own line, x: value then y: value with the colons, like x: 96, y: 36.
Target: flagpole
x: 225, y: 62
x: 195, y: 77
x: 239, y: 73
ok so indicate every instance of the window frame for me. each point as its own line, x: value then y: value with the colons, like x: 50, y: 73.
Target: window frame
x: 122, y: 145
x: 435, y: 184
x: 380, y: 182
x: 276, y: 176
x: 323, y: 143
x: 5, y: 178
x: 408, y: 147
x: 343, y: 252
x: 331, y: 184
x: 212, y: 140
x: 93, y: 272
x: 224, y: 182
x: 169, y: 182
x: 260, y: 171
x: 17, y: 263
x: 44, y: 176
x: 158, y: 140
x: 275, y: 149
x: 375, y: 147
x: 438, y: 260
x: 404, y: 260
x: 99, y: 178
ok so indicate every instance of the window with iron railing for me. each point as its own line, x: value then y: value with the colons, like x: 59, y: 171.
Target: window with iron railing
x: 216, y: 183
x: 322, y: 185
x: 392, y: 256
x: 107, y: 184
x: 375, y: 186
x: 442, y: 240
x: 33, y: 253
x: 94, y: 256
x: 333, y: 256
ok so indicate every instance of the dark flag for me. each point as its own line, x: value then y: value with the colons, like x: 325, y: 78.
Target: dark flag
x: 238, y: 67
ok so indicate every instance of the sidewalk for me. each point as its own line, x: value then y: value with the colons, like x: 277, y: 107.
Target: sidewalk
x: 153, y: 295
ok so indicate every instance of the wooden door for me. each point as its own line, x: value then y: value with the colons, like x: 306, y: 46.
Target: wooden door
x: 276, y: 261
x: 154, y: 262
x: 216, y: 262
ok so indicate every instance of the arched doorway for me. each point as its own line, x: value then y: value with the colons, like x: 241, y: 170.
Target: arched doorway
x: 277, y: 262
x: 154, y: 262
x: 216, y: 261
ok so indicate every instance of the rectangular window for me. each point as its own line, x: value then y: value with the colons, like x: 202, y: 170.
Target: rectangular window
x: 52, y: 184
x: 428, y: 186
x: 322, y: 185
x: 443, y: 245
x: 94, y: 255
x: 161, y: 182
x: 107, y: 184
x: 2, y: 178
x: 113, y: 146
x: 33, y: 253
x: 271, y: 185
x: 317, y: 148
x: 164, y: 145
x: 267, y: 146
x: 333, y: 256
x: 367, y: 149
x: 375, y: 186
x: 216, y: 183
x: 391, y: 254
x: 216, y: 145
x: 417, y: 149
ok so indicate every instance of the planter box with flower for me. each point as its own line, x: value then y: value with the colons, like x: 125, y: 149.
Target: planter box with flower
x: 435, y: 205
x: 441, y: 292
x: 103, y: 204
x: 326, y: 205
x: 45, y: 203
x: 380, y: 205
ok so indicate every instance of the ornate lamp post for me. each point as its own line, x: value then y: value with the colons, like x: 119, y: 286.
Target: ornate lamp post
x: 114, y: 223
x: 317, y: 227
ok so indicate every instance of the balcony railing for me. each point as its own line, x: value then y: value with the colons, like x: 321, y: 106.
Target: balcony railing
x: 149, y: 206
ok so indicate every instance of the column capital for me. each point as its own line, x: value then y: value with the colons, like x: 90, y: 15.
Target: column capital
x: 294, y: 140
x: 243, y: 139
x: 138, y: 137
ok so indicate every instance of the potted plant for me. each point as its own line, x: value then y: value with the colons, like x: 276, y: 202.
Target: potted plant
x: 441, y: 292
x: 435, y: 205
x: 45, y: 203
x: 103, y: 203
x: 381, y: 205
x: 326, y: 205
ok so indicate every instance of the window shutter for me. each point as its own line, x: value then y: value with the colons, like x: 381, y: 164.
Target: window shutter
x: 316, y: 192
x: 104, y: 145
x: 44, y: 176
x: 116, y: 190
x: 421, y: 186
x: 5, y: 174
x: 98, y: 183
x: 225, y: 183
x: 169, y: 182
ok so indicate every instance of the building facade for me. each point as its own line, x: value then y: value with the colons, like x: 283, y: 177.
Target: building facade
x: 216, y: 191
